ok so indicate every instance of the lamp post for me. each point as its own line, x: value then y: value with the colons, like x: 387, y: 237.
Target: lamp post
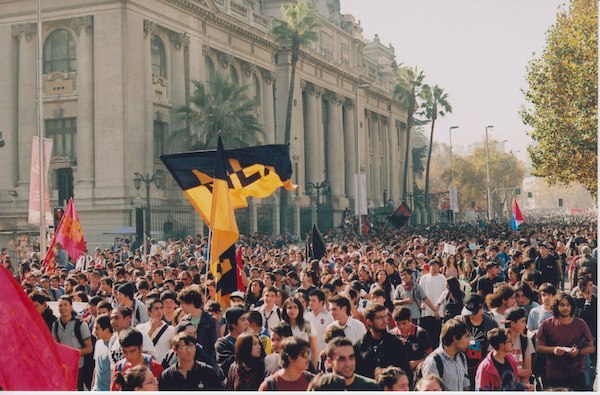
x: 310, y: 187
x: 452, y: 173
x: 359, y: 86
x: 158, y: 179
x: 487, y: 170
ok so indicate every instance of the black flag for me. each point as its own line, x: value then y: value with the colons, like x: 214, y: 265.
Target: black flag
x: 317, y: 244
x: 400, y: 217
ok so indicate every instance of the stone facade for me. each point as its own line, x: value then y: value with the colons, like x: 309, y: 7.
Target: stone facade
x: 115, y: 101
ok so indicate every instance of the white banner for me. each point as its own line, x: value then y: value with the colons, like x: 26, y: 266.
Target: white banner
x: 453, y: 192
x: 34, y: 183
x: 449, y: 249
x: 78, y: 307
x: 360, y: 207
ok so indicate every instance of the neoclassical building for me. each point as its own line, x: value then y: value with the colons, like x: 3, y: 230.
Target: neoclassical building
x: 113, y: 71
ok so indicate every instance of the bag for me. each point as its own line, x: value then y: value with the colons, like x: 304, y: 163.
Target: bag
x: 439, y: 364
x: 159, y: 334
x: 88, y: 360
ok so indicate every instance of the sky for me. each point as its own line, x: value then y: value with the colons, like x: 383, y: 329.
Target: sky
x: 477, y: 51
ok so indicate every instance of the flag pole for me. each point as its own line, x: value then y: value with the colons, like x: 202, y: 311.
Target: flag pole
x: 208, y: 255
x: 40, y: 114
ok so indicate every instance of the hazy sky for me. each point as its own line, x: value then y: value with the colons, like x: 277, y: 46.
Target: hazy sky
x: 476, y: 50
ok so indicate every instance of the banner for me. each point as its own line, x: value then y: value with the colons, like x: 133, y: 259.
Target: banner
x: 360, y: 208
x: 31, y: 359
x: 317, y: 244
x: 34, y: 182
x: 401, y: 216
x: 517, y: 217
x: 69, y: 234
x: 453, y: 198
x: 449, y: 249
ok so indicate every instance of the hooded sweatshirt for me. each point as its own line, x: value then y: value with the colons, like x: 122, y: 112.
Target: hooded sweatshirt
x: 487, y: 377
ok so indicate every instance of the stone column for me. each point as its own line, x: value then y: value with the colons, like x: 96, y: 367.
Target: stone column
x: 335, y: 160
x: 26, y: 99
x: 376, y: 133
x: 268, y: 110
x: 311, y: 137
x: 320, y: 148
x: 349, y: 149
x: 275, y: 214
x: 394, y: 168
x: 252, y: 214
x: 84, y: 180
x: 150, y: 29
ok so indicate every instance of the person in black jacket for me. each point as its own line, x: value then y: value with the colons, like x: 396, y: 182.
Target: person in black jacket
x: 188, y: 374
x: 39, y: 301
x: 191, y: 301
x: 378, y: 348
x: 237, y: 323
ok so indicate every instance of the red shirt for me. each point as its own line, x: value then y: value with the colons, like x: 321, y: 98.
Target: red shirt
x: 155, y: 367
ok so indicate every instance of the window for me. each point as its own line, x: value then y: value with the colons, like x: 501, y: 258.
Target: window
x: 256, y: 84
x: 234, y: 75
x: 209, y: 69
x: 159, y: 59
x: 160, y: 138
x: 59, y: 52
x: 64, y: 184
x: 64, y: 133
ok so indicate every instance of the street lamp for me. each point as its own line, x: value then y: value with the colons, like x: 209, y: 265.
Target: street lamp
x: 158, y: 178
x: 452, y: 171
x: 311, y: 187
x: 487, y: 170
x: 359, y: 86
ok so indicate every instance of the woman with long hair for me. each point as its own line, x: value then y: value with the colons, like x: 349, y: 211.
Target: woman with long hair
x: 293, y: 314
x: 382, y: 281
x: 254, y: 293
x: 452, y: 299
x: 137, y: 378
x: 451, y: 268
x: 501, y: 300
x: 248, y: 370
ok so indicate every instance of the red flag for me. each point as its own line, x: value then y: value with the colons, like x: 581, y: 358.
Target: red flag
x: 240, y: 269
x: 31, y: 359
x: 69, y: 233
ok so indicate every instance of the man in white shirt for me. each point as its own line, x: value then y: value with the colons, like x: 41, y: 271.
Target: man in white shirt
x: 270, y: 312
x: 159, y: 331
x: 319, y: 316
x: 339, y: 306
x: 434, y: 284
x: 120, y: 319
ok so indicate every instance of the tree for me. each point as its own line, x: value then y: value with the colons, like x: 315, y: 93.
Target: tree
x: 224, y: 107
x: 296, y: 29
x: 506, y: 174
x: 435, y: 103
x: 563, y: 97
x: 409, y: 82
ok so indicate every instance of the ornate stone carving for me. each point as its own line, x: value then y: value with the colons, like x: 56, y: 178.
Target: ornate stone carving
x: 158, y: 116
x: 24, y: 30
x: 248, y: 69
x: 319, y: 91
x: 225, y: 60
x: 82, y: 23
x: 176, y: 40
x: 349, y: 104
x: 206, y: 50
x: 150, y: 28
x: 268, y: 76
x: 335, y: 98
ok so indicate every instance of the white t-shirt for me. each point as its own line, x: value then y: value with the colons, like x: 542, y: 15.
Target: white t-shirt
x: 163, y: 346
x: 434, y: 287
x: 320, y: 323
x: 116, y: 352
x: 518, y: 354
x: 354, y: 329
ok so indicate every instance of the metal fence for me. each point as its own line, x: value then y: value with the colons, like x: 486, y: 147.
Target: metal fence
x: 174, y: 220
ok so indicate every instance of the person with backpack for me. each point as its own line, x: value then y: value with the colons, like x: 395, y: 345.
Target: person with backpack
x: 131, y: 342
x: 70, y: 331
x: 158, y: 330
x: 479, y: 323
x: 294, y: 374
x: 448, y: 361
x: 522, y: 346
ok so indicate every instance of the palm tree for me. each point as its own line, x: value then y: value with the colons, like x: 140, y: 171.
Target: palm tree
x: 223, y: 107
x: 295, y: 30
x: 435, y: 103
x: 408, y: 87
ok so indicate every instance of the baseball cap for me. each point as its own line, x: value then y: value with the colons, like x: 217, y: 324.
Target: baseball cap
x: 473, y: 304
x: 514, y: 314
x: 237, y: 294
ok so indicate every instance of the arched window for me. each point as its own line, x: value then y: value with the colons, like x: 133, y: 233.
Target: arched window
x: 256, y: 85
x: 233, y: 75
x: 159, y: 58
x: 59, y: 52
x: 209, y: 69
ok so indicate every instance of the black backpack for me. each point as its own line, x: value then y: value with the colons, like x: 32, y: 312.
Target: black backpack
x: 439, y: 365
x: 88, y: 359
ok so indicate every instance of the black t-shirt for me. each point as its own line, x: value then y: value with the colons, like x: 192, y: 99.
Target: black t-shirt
x: 361, y: 383
x: 507, y: 376
x: 478, y: 348
x: 486, y: 284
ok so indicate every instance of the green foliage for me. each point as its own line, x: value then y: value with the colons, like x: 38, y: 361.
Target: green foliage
x: 225, y: 107
x: 470, y: 177
x: 297, y: 28
x: 418, y: 157
x: 563, y: 97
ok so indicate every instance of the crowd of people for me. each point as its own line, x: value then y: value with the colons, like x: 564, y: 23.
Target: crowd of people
x: 428, y: 308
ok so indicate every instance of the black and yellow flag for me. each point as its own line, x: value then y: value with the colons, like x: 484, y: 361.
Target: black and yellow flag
x: 254, y: 171
x: 224, y: 232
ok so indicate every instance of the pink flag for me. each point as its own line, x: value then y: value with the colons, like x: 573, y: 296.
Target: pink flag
x: 30, y: 358
x: 34, y: 182
x: 69, y: 233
